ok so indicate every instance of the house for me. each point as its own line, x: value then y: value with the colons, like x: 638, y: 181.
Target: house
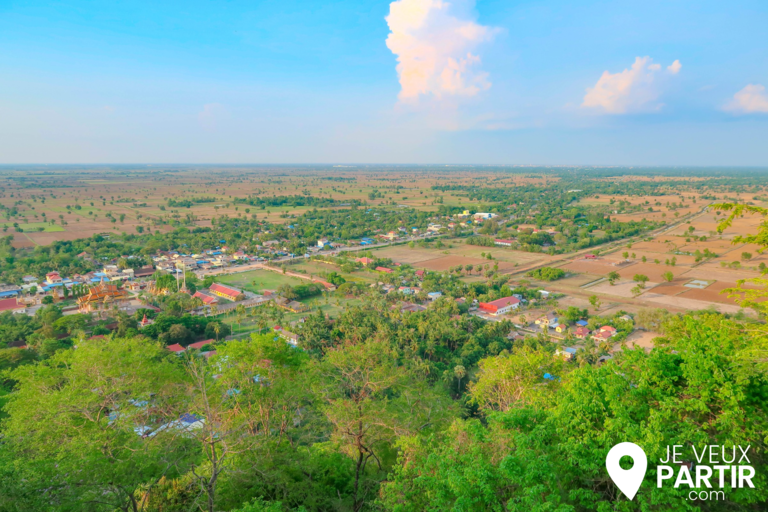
x: 626, y: 318
x: 547, y: 321
x: 590, y: 256
x: 53, y: 277
x: 390, y: 236
x: 581, y: 332
x: 227, y: 292
x: 515, y: 336
x: 383, y: 269
x: 544, y: 293
x: 434, y: 295
x: 29, y: 279
x: 582, y: 323
x: 500, y: 306
x: 503, y: 243
x: 322, y: 243
x: 607, y: 329
x: 568, y: 353
x: 205, y: 298
x: 291, y: 338
x: 365, y: 261
x: 561, y: 328
x: 412, y: 308
x: 176, y: 348
x: 136, y: 286
x: 420, y: 274
x: 601, y: 336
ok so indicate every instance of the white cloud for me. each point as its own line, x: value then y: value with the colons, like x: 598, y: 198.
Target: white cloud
x: 434, y: 43
x: 749, y: 100
x: 632, y: 90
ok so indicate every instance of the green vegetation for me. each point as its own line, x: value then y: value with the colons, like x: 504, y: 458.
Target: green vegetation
x: 547, y: 273
x: 382, y: 406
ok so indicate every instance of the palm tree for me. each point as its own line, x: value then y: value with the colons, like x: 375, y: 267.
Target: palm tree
x: 217, y: 330
x: 459, y: 371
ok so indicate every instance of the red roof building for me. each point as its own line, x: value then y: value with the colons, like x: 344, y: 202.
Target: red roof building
x: 176, y: 348
x: 10, y: 305
x: 365, y: 261
x: 384, y: 269
x: 201, y: 344
x: 500, y: 306
x: 581, y: 332
x: 226, y: 291
x: 207, y: 299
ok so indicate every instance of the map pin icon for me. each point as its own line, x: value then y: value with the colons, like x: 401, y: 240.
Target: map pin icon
x: 627, y: 480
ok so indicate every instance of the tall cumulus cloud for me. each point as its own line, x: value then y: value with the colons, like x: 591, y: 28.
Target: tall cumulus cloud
x: 435, y: 43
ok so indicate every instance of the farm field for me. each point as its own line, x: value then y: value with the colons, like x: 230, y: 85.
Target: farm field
x: 726, y: 264
x: 456, y: 252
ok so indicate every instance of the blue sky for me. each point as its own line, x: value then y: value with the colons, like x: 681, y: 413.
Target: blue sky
x: 412, y: 81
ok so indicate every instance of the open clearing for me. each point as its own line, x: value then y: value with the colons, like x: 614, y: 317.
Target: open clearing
x: 257, y: 280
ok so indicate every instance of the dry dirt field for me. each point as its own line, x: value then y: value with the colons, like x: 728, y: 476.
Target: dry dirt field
x: 462, y: 254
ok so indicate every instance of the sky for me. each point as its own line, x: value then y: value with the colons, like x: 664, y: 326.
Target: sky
x: 412, y: 81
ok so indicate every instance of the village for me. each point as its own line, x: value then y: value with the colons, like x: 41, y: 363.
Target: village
x: 225, y: 279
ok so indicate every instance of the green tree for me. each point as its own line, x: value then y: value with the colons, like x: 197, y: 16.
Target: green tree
x: 613, y: 276
x: 370, y: 400
x: 640, y: 279
x: 78, y: 419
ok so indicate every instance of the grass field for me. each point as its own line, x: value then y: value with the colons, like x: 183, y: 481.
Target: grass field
x: 257, y: 280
